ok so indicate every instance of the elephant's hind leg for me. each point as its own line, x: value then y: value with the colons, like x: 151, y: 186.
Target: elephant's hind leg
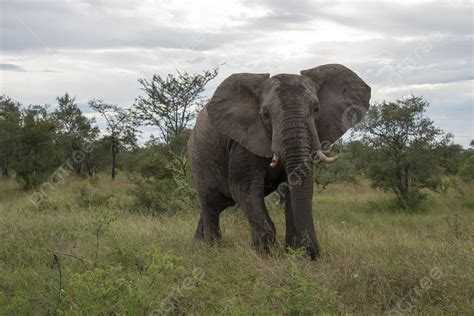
x: 212, y: 204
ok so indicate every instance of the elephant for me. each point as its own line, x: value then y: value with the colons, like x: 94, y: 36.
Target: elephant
x: 258, y: 131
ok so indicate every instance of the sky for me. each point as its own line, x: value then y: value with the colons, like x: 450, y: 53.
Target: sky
x: 99, y: 48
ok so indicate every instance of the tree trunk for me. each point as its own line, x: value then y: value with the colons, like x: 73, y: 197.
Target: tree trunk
x: 77, y: 164
x: 114, y: 152
x: 5, y: 170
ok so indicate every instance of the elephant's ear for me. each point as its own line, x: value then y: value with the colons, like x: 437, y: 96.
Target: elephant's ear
x: 343, y: 99
x: 234, y: 110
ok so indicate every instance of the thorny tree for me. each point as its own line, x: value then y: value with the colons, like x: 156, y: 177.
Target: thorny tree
x: 120, y: 128
x: 171, y: 104
x: 75, y: 130
x: 402, y: 138
x: 10, y: 119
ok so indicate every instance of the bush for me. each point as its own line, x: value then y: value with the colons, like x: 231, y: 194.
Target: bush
x: 466, y: 171
x: 101, y: 290
x: 164, y: 195
x: 86, y: 197
x: 154, y: 195
x: 38, y: 157
x: 162, y: 180
x: 112, y: 289
x: 300, y: 294
x: 403, y: 142
x: 342, y: 169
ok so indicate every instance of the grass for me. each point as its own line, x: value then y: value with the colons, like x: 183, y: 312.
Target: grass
x: 84, y: 252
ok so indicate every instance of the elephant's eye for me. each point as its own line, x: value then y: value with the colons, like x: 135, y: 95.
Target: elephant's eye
x: 315, y: 107
x: 266, y: 114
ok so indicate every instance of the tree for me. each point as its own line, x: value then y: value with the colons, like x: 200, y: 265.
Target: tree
x: 466, y: 169
x: 120, y: 128
x: 402, y: 142
x: 10, y: 118
x: 75, y: 131
x: 37, y: 157
x: 358, y: 153
x: 450, y: 156
x: 98, y: 159
x: 343, y: 169
x: 171, y: 104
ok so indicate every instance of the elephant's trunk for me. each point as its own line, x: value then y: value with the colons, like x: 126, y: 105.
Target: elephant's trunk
x: 298, y: 164
x: 300, y: 181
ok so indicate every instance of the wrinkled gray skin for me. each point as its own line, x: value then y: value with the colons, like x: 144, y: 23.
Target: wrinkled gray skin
x: 251, y: 118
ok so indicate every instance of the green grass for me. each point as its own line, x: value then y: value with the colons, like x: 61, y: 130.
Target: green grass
x: 374, y: 259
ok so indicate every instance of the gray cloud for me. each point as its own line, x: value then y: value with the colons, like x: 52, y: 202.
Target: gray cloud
x: 430, y: 59
x: 294, y: 7
x: 284, y: 15
x: 275, y: 21
x: 409, y: 20
x: 18, y: 68
x: 28, y: 25
x: 11, y: 67
x: 453, y: 17
x: 98, y: 48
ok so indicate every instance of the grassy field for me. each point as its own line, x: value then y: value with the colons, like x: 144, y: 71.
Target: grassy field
x: 84, y: 252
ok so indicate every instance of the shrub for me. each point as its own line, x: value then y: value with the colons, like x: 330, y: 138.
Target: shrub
x: 466, y: 171
x: 102, y: 290
x: 38, y: 157
x: 86, y: 197
x: 164, y: 185
x: 154, y: 195
x: 300, y: 294
x: 164, y: 195
x: 342, y: 169
x: 402, y: 142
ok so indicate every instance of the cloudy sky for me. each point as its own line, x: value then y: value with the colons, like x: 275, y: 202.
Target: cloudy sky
x: 98, y: 48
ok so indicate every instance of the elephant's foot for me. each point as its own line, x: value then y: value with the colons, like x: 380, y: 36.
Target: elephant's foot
x: 199, y: 235
x: 208, y: 234
x: 264, y: 239
x: 293, y: 242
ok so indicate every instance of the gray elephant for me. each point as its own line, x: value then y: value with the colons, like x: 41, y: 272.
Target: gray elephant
x: 258, y: 131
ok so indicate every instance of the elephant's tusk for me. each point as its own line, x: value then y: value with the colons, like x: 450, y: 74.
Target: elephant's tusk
x: 274, y: 161
x: 322, y: 157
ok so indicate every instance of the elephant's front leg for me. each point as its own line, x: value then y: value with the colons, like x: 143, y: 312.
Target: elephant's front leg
x: 246, y: 182
x: 262, y: 228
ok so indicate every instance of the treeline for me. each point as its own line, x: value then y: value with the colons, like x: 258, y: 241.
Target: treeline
x: 396, y: 145
x: 35, y: 141
x: 400, y: 150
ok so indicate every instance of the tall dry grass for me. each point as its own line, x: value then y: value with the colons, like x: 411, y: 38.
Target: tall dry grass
x: 375, y: 259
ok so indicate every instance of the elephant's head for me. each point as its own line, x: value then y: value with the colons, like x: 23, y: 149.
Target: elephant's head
x: 291, y: 118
